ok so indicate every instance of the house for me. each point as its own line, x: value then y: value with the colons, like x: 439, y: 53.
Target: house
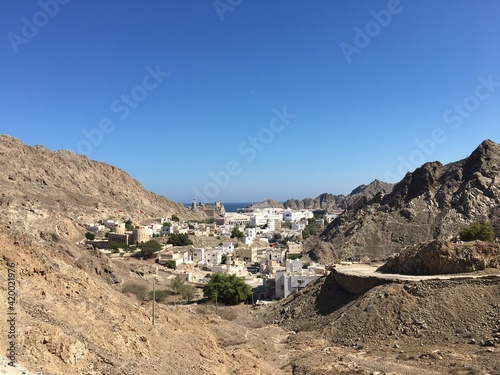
x: 248, y: 255
x: 95, y: 227
x: 213, y: 257
x: 198, y: 255
x: 227, y: 247
x: 187, y: 277
x: 287, y: 283
x: 295, y: 247
x: 178, y: 257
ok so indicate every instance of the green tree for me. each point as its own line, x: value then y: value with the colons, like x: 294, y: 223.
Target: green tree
x: 319, y: 214
x: 128, y: 225
x: 236, y: 233
x: 148, y: 249
x: 478, y: 231
x: 175, y: 218
x: 179, y: 239
x: 311, y: 228
x: 228, y: 289
x: 90, y: 236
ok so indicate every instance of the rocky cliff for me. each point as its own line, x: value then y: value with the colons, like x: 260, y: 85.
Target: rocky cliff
x: 51, y: 194
x: 433, y: 202
x: 332, y: 202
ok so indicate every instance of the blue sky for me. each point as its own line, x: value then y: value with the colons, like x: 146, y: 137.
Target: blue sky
x: 254, y: 100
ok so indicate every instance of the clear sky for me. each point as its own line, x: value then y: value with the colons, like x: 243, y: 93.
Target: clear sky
x: 244, y: 100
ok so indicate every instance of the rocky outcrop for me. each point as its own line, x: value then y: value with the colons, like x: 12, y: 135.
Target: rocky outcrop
x: 331, y: 202
x: 433, y: 202
x: 444, y: 257
x: 51, y: 194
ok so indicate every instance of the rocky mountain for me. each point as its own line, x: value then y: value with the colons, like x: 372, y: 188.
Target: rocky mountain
x: 327, y: 201
x: 52, y: 194
x: 268, y: 203
x: 332, y: 202
x: 433, y: 202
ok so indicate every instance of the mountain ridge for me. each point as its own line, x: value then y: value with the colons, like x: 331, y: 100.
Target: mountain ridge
x: 328, y: 201
x: 432, y: 202
x: 71, y: 190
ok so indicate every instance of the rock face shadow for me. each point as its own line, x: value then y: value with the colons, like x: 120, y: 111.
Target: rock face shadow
x: 332, y: 297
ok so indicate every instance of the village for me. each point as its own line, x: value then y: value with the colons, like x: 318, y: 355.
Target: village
x: 263, y: 246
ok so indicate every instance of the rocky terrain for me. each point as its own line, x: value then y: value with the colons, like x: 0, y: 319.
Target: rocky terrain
x: 433, y: 326
x: 73, y: 318
x: 50, y: 194
x: 444, y: 257
x: 433, y: 202
x: 333, y: 202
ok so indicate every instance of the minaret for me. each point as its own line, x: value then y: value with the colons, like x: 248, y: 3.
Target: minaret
x: 228, y: 263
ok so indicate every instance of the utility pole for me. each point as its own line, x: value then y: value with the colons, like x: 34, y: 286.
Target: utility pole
x: 154, y: 300
x: 216, y: 305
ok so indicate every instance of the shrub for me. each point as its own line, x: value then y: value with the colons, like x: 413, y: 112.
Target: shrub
x: 187, y: 291
x: 171, y: 264
x: 140, y: 291
x: 478, y: 231
x: 90, y: 236
x: 159, y: 295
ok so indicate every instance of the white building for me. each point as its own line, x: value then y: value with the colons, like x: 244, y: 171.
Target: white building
x: 227, y: 247
x: 95, y: 227
x: 294, y: 216
x: 198, y: 255
x: 289, y: 282
x: 298, y: 226
x: 213, y: 257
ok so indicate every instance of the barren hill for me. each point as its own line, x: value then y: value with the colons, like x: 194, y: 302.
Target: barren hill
x: 330, y: 202
x: 433, y: 202
x: 48, y: 194
x: 71, y: 321
x: 425, y: 327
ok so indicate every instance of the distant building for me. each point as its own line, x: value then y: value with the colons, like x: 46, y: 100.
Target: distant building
x: 212, y: 210
x: 140, y: 234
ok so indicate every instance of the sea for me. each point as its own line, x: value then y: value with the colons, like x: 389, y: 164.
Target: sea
x: 229, y: 206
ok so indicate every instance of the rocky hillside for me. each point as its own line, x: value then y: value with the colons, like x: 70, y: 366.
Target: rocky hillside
x: 332, y: 202
x: 433, y: 202
x: 71, y: 321
x: 51, y: 194
x: 425, y: 327
x: 444, y: 257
